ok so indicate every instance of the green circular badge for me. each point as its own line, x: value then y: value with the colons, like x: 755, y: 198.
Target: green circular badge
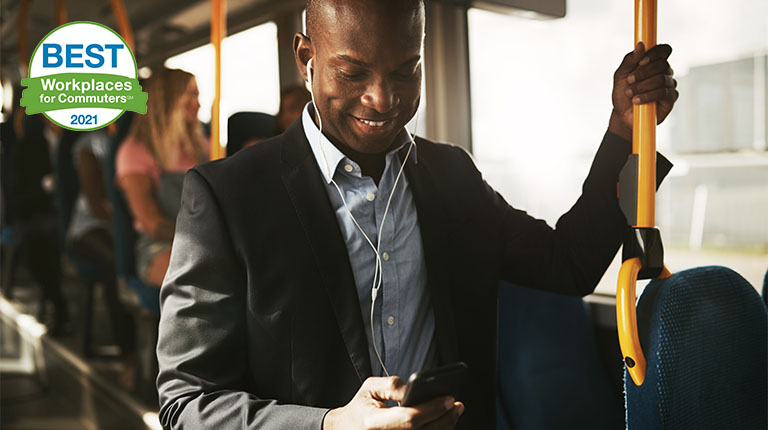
x: 83, y: 76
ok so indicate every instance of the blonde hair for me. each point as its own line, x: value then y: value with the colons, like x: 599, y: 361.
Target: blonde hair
x: 163, y: 129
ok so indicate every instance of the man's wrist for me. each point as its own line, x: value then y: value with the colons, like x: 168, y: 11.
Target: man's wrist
x: 616, y: 126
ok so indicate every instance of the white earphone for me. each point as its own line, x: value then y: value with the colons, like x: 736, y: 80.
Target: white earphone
x: 378, y: 271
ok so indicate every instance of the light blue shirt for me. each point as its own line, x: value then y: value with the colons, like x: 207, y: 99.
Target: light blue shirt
x: 403, y: 319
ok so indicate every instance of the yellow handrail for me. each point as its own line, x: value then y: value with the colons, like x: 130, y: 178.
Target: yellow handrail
x: 24, y: 34
x: 218, y: 31
x: 126, y: 31
x: 644, y: 123
x: 61, y: 12
x: 644, y: 145
x: 123, y: 22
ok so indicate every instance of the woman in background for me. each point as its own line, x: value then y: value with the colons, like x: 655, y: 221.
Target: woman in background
x: 161, y: 146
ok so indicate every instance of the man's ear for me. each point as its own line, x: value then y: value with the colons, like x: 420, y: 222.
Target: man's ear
x: 302, y: 51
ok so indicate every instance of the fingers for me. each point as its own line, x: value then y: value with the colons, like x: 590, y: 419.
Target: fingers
x: 651, y: 84
x: 657, y: 67
x: 652, y: 80
x: 414, y: 417
x: 658, y: 52
x: 385, y: 388
x: 665, y: 95
x: 630, y: 62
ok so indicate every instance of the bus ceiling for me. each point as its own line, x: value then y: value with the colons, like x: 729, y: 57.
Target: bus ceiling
x: 163, y: 29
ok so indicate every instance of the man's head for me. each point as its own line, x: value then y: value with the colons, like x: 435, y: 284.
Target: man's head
x: 366, y: 67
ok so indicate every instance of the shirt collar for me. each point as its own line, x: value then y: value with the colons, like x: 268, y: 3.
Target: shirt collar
x: 333, y: 156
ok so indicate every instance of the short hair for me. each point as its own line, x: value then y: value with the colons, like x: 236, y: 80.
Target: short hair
x: 314, y: 6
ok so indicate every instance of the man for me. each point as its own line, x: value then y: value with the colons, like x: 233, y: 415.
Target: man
x: 266, y: 304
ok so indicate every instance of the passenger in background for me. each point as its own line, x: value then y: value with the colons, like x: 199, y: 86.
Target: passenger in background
x: 248, y: 128
x: 292, y: 102
x: 31, y: 212
x: 89, y: 237
x: 161, y: 146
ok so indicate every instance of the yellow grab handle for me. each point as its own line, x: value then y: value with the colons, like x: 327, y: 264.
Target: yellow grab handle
x: 626, y: 319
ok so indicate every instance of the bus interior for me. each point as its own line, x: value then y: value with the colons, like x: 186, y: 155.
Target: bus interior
x: 523, y: 86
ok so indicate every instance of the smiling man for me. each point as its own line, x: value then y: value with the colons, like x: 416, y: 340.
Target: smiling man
x: 309, y: 267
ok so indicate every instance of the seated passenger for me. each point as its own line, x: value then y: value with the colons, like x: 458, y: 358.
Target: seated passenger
x: 89, y: 237
x: 30, y: 209
x: 150, y: 164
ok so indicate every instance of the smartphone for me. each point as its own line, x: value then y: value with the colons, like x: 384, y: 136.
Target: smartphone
x: 428, y: 384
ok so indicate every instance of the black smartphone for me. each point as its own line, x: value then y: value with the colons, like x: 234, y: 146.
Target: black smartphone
x: 428, y: 384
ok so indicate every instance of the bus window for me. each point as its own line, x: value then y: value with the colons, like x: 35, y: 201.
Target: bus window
x: 250, y: 76
x: 541, y: 104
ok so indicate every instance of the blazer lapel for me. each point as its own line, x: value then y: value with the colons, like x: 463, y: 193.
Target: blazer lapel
x: 306, y: 189
x: 434, y: 222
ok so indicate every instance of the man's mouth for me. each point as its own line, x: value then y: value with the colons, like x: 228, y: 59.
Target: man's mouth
x: 373, y: 123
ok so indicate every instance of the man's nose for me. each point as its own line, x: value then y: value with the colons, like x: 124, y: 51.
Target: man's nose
x: 380, y: 96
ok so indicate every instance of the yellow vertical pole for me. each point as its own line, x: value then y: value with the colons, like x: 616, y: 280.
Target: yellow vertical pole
x: 218, y: 31
x: 644, y: 124
x: 61, y: 12
x: 124, y: 25
x: 24, y: 34
x: 122, y: 21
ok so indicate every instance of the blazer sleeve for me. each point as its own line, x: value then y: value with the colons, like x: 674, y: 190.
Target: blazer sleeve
x: 203, y: 364
x: 572, y: 257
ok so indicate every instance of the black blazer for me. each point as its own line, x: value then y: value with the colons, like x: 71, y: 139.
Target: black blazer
x: 259, y: 307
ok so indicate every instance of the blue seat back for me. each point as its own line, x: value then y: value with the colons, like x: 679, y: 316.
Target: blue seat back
x: 549, y: 372
x: 704, y: 333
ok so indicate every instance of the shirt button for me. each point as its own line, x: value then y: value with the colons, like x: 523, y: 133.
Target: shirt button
x: 390, y: 320
x: 348, y: 168
x: 370, y: 197
x: 385, y: 256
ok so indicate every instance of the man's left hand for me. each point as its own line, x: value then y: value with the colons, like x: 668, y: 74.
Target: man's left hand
x: 643, y: 77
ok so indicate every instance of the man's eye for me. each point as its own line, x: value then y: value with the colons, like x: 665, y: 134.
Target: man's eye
x: 410, y: 74
x: 349, y: 75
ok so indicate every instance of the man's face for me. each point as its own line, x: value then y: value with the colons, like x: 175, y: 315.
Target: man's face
x: 366, y: 73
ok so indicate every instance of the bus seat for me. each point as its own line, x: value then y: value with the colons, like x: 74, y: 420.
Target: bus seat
x: 549, y: 373
x: 765, y: 288
x: 245, y: 126
x: 704, y: 332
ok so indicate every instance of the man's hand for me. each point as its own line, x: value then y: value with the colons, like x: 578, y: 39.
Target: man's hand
x: 368, y: 409
x: 643, y: 77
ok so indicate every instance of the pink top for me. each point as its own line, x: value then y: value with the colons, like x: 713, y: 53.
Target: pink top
x: 134, y: 158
